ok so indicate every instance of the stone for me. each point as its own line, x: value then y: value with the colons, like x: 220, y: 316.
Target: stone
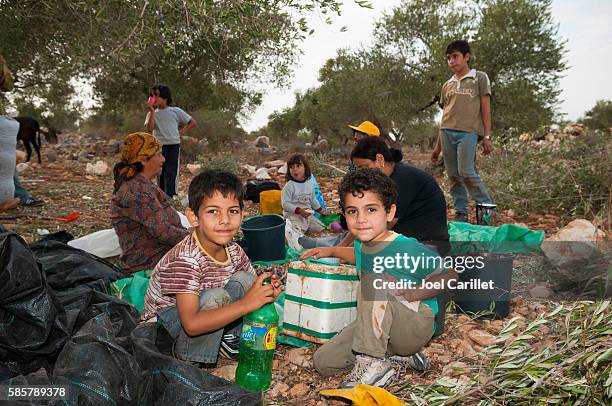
x: 541, y: 291
x: 299, y: 357
x: 572, y: 246
x: 113, y: 146
x: 456, y: 368
x: 249, y: 168
x: 20, y: 156
x: 278, y: 389
x: 194, y: 169
x: 481, y: 337
x: 23, y: 167
x: 578, y: 230
x: 321, y: 145
x: 227, y: 372
x: 262, y: 141
x: 299, y: 390
x: 262, y: 173
x: 52, y: 156
x: 274, y: 164
x: 100, y: 168
x: 282, y: 170
x: 84, y: 156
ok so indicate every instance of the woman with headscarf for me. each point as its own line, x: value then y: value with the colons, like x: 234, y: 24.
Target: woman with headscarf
x: 143, y: 216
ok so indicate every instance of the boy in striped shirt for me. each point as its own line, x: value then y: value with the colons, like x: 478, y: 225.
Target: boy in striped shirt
x: 202, y: 287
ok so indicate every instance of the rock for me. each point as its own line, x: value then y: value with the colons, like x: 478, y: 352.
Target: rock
x: 299, y: 390
x: 52, y: 156
x: 481, y: 337
x: 194, y: 169
x: 456, y: 368
x: 262, y: 173
x: 267, y: 150
x: 282, y: 170
x: 279, y: 389
x: 249, y: 168
x: 84, y: 156
x: 274, y: 164
x: 20, y: 156
x: 321, y: 145
x: 574, y: 129
x: 113, y: 147
x: 23, y: 167
x: 572, y: 246
x: 445, y: 359
x: 541, y: 290
x: 203, y: 143
x: 465, y: 348
x: 578, y: 230
x: 496, y: 326
x: 299, y: 357
x: 262, y: 141
x: 227, y: 372
x: 435, y: 348
x: 100, y: 168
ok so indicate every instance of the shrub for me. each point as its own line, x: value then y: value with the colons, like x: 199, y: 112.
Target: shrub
x: 573, y: 179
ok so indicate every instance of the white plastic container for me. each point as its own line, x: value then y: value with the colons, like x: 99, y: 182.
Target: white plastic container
x: 320, y: 300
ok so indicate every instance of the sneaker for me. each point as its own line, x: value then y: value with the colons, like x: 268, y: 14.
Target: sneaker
x: 230, y: 346
x: 417, y: 362
x: 9, y: 204
x: 32, y: 202
x: 370, y: 371
x: 463, y: 217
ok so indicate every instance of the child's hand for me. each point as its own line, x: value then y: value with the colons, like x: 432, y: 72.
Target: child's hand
x: 276, y: 284
x: 319, y: 252
x: 326, y: 213
x: 305, y: 213
x: 259, y: 294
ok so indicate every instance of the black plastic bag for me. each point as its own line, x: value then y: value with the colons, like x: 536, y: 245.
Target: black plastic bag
x: 83, y: 303
x: 33, y: 324
x: 95, y: 368
x: 168, y: 381
x: 255, y: 186
x: 67, y: 267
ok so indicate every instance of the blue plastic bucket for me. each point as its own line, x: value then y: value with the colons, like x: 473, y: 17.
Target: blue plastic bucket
x: 265, y: 237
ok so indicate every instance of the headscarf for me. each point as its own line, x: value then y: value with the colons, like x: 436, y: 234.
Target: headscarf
x: 137, y: 148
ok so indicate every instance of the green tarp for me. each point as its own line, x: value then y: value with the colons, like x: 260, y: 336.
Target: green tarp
x: 507, y: 238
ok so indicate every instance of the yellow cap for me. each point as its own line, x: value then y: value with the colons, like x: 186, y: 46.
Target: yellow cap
x: 367, y: 127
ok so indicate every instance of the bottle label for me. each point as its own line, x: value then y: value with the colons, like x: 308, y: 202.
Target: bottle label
x: 259, y: 336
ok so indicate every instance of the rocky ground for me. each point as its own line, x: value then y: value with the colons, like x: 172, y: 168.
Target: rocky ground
x: 71, y: 180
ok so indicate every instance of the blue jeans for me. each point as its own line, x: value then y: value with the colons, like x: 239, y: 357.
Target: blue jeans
x: 205, y: 347
x: 459, y: 151
x: 20, y: 192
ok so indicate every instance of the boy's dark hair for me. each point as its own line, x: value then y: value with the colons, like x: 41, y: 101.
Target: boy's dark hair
x: 164, y: 91
x: 458, y: 45
x: 368, y: 180
x: 369, y: 147
x: 298, y: 159
x: 208, y: 182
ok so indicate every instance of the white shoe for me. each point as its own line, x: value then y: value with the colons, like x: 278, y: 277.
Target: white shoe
x: 370, y: 371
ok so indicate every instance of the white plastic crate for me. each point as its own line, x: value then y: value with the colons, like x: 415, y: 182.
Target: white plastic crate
x: 320, y: 300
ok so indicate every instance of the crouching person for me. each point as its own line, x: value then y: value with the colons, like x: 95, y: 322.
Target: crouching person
x: 202, y: 287
x: 392, y: 325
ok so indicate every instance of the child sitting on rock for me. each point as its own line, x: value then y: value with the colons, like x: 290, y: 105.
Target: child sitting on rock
x: 299, y: 201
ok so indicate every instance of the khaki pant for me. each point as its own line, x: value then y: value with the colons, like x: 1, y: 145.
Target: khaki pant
x: 404, y: 332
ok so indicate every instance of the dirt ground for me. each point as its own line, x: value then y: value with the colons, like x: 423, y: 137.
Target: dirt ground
x: 67, y: 188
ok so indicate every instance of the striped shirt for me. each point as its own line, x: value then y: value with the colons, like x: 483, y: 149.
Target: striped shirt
x: 187, y: 268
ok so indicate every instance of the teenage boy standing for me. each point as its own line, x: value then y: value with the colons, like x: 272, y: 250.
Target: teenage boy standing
x: 466, y: 100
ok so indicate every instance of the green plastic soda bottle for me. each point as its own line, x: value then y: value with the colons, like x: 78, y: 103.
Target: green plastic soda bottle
x: 257, y: 345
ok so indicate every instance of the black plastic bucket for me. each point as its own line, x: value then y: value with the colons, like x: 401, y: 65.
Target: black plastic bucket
x: 265, y: 237
x: 487, y: 303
